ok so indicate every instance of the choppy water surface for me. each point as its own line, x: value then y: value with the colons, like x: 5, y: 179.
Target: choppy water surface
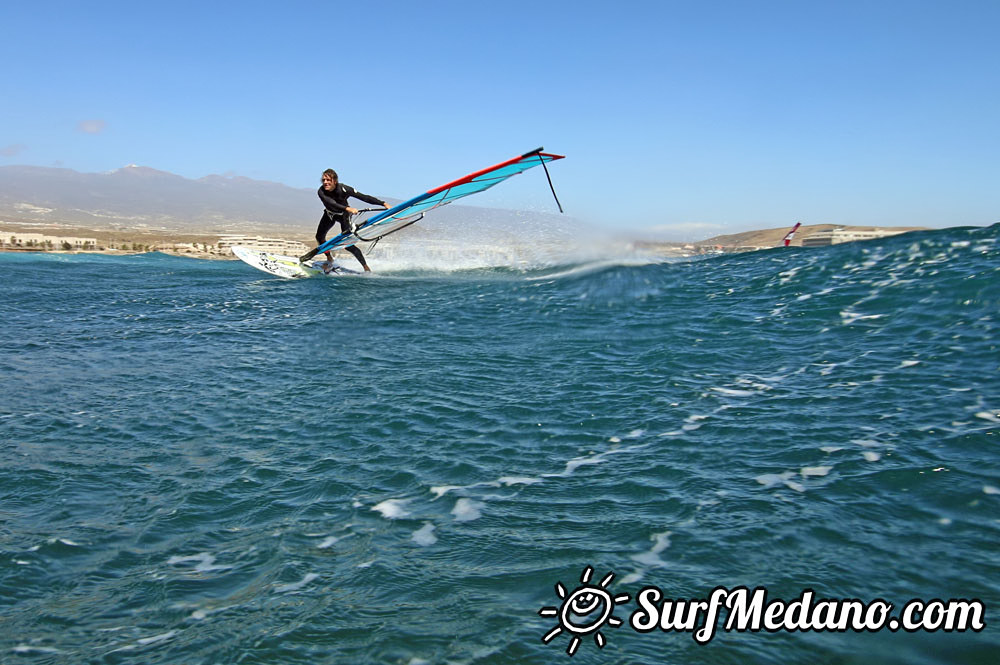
x: 203, y: 464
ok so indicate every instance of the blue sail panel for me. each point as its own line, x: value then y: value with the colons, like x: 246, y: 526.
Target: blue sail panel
x: 408, y: 212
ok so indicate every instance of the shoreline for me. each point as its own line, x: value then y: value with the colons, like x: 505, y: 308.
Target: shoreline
x: 208, y: 245
x: 222, y: 255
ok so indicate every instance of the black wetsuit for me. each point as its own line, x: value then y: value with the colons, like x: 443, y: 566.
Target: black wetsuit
x: 336, y: 206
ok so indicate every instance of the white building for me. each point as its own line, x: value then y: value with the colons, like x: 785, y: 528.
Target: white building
x: 273, y: 245
x: 837, y: 236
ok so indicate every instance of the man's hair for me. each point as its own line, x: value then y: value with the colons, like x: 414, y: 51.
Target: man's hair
x: 331, y: 173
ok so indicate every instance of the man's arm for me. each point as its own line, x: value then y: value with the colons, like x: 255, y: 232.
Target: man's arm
x: 368, y: 199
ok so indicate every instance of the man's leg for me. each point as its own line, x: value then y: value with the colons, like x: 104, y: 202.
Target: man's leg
x: 325, y: 224
x: 347, y: 227
x: 353, y: 249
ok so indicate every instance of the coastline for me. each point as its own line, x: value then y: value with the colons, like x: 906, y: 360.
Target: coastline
x: 220, y: 255
x: 123, y: 240
x: 208, y: 245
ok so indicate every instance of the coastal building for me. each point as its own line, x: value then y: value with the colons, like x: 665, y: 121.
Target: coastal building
x: 44, y: 241
x: 273, y: 245
x: 839, y: 235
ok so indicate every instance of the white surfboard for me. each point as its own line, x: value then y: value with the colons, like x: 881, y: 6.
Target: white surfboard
x: 288, y: 266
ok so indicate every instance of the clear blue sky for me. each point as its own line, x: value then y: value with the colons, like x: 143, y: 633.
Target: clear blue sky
x: 700, y: 116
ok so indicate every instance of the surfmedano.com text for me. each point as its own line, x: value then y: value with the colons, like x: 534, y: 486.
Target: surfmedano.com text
x: 753, y: 611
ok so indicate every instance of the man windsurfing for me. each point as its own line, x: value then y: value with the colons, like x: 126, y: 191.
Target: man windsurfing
x: 334, y: 196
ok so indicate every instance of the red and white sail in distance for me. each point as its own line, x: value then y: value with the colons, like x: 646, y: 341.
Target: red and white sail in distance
x: 791, y: 234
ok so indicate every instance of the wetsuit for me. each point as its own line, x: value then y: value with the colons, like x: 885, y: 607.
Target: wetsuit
x: 336, y: 206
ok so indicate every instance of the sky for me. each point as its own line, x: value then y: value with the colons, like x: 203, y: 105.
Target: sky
x: 679, y: 118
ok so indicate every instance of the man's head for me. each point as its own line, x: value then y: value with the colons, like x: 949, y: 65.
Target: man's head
x: 329, y: 179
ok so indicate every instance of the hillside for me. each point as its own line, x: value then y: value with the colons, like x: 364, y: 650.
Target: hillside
x: 144, y: 200
x: 773, y: 237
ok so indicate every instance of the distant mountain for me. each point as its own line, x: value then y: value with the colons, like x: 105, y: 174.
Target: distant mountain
x: 138, y: 195
x: 142, y: 197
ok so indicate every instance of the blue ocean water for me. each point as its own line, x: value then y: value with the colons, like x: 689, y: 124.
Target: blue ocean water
x: 200, y: 463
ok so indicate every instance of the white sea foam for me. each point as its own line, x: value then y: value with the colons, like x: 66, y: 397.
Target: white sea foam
x: 440, y: 490
x: 693, y: 422
x: 652, y: 557
x: 597, y: 265
x: 772, y: 479
x: 908, y: 363
x: 986, y: 415
x: 206, y: 562
x: 424, y: 536
x: 787, y: 275
x: 156, y: 638
x: 392, y: 509
x: 295, y: 586
x: 733, y: 392
x: 848, y: 317
x: 466, y: 510
x: 990, y: 489
x: 830, y: 449
x: 577, y: 462
x: 518, y: 480
x: 328, y: 542
x: 595, y: 458
x: 871, y: 456
x: 27, y: 649
x: 811, y: 471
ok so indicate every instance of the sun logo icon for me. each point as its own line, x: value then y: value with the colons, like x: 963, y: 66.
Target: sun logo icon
x: 584, y: 611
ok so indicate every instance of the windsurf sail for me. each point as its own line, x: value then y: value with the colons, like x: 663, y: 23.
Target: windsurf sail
x: 409, y: 212
x: 791, y: 234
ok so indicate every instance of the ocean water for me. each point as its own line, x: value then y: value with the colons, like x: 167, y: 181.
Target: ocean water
x: 200, y: 463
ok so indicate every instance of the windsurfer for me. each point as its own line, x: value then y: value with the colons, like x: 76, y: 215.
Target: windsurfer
x: 334, y: 196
